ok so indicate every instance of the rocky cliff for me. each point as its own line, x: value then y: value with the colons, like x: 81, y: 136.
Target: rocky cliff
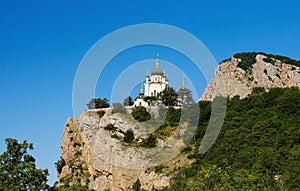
x: 93, y: 150
x: 93, y: 155
x: 244, y: 71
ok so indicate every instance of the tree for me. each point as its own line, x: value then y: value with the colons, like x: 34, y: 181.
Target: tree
x: 185, y: 96
x: 150, y: 141
x: 137, y: 185
x: 129, y: 136
x: 128, y: 101
x: 18, y: 170
x: 140, y: 114
x: 96, y: 103
x: 169, y: 97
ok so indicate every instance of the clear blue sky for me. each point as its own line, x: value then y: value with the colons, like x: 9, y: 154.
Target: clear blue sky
x: 43, y: 42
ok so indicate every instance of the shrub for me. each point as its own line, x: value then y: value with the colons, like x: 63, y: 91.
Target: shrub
x: 100, y: 113
x: 150, y: 141
x: 60, y: 164
x: 137, y: 185
x: 110, y: 127
x: 129, y: 136
x: 247, y: 59
x: 96, y: 103
x: 140, y: 114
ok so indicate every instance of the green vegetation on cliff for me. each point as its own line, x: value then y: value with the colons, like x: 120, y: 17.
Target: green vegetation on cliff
x: 258, y: 147
x: 248, y: 59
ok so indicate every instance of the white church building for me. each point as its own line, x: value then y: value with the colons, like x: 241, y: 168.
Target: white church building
x: 155, y: 83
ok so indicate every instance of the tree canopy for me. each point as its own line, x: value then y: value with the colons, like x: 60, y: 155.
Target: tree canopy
x: 140, y: 114
x: 18, y: 170
x: 128, y: 101
x: 96, y: 103
x: 258, y: 147
x: 169, y: 97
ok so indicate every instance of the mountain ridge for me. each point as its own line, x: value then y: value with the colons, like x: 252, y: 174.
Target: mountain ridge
x: 238, y: 75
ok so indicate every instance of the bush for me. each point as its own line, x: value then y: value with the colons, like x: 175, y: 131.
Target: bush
x: 173, y: 116
x: 110, y: 127
x: 140, y: 114
x: 100, y: 113
x: 137, y: 185
x: 128, y: 101
x: 247, y: 59
x: 150, y: 141
x: 96, y: 103
x: 60, y: 164
x: 129, y: 136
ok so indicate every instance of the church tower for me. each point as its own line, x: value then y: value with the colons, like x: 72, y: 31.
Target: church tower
x: 156, y: 82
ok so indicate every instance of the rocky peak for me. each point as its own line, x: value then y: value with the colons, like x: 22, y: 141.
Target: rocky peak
x: 245, y: 71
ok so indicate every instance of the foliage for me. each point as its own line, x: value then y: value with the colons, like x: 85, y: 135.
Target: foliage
x: 96, y: 103
x: 173, y: 116
x: 169, y: 97
x: 284, y: 59
x: 18, y: 170
x: 60, y: 164
x: 248, y: 59
x: 150, y: 98
x: 258, y: 90
x: 100, y: 113
x: 129, y: 136
x: 110, y: 127
x: 185, y: 96
x: 259, y: 140
x: 150, y: 141
x: 140, y: 114
x: 119, y: 108
x: 74, y: 187
x: 128, y: 101
x: 137, y: 185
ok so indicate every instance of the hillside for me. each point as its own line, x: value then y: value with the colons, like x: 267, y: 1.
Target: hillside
x: 244, y: 71
x: 258, y: 147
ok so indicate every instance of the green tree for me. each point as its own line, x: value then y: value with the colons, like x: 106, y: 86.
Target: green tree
x: 173, y: 116
x: 129, y: 136
x: 185, y: 96
x: 60, y: 164
x: 150, y: 141
x: 140, y: 114
x: 18, y: 170
x: 96, y: 103
x: 128, y: 101
x: 169, y: 97
x: 137, y: 185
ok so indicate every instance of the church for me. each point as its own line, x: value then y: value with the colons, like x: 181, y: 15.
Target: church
x: 154, y: 84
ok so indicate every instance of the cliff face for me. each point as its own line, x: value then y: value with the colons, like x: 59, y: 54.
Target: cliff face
x: 93, y: 155
x: 268, y: 71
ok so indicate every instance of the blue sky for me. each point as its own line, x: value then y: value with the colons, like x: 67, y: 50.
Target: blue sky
x: 42, y: 44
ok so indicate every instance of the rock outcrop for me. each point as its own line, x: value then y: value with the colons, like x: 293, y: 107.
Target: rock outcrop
x: 93, y: 155
x: 266, y: 71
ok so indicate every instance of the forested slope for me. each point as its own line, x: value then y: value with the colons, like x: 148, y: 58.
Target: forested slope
x: 258, y: 147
